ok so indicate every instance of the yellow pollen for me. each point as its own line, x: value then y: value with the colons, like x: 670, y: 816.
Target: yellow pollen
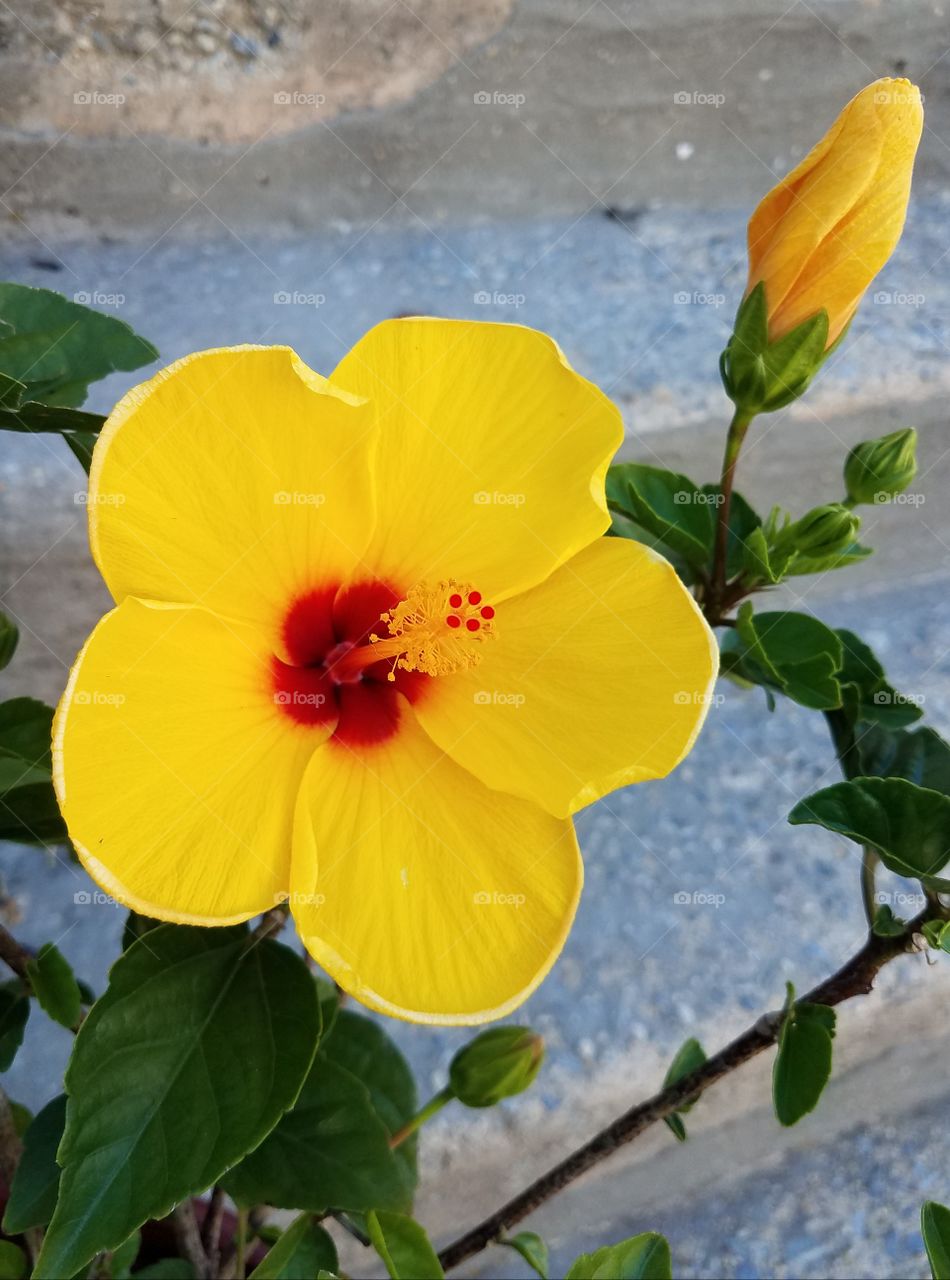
x: 436, y: 629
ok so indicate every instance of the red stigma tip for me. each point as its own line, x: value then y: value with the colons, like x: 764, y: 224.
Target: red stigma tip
x: 453, y: 621
x: 474, y: 597
x: 473, y: 624
x: 455, y: 601
x: 488, y: 611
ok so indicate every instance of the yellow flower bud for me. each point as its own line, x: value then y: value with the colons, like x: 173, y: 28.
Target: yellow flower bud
x: 820, y: 237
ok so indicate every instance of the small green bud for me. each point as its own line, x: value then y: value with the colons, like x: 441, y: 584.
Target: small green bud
x: 497, y: 1064
x: 824, y: 531
x: 877, y: 470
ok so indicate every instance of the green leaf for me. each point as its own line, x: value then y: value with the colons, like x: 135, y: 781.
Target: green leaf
x: 935, y: 1228
x: 36, y: 1182
x: 669, y: 506
x: 885, y: 924
x: 11, y: 391
x: 937, y: 933
x: 119, y: 1262
x: 363, y: 1048
x: 403, y: 1246
x: 330, y: 1152
x: 58, y: 347
x: 55, y: 985
x: 200, y: 1043
x: 9, y: 636
x: 689, y: 1058
x: 13, y: 1263
x: 791, y: 652
x: 302, y: 1250
x: 37, y: 418
x: 14, y: 1011
x: 876, y: 700
x: 642, y: 1257
x: 167, y: 1269
x: 28, y: 809
x: 743, y: 521
x: 136, y: 926
x: 532, y: 1248
x: 800, y: 565
x: 803, y: 1062
x: 920, y: 756
x: 909, y: 826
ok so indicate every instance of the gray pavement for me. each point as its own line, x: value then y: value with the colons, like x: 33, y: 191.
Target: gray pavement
x: 640, y: 971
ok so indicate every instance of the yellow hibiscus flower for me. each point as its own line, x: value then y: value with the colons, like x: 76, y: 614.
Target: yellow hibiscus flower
x: 370, y: 653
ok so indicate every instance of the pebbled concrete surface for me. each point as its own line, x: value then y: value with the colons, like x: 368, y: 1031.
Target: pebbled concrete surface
x: 641, y: 971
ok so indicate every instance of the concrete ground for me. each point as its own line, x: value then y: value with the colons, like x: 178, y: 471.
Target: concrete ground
x: 643, y: 306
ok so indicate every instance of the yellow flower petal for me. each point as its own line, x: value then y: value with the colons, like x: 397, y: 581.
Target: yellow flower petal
x: 492, y: 452
x: 424, y: 894
x: 822, y: 234
x: 599, y: 677
x: 226, y: 479
x: 175, y: 770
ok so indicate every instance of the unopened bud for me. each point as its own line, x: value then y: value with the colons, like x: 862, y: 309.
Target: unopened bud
x: 496, y: 1064
x: 824, y: 531
x: 876, y: 470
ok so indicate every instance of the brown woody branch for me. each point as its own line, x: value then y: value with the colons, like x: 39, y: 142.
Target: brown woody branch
x: 854, y: 978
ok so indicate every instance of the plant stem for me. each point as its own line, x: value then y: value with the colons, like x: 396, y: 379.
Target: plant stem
x: 211, y: 1229
x: 188, y: 1238
x: 240, y: 1244
x: 855, y: 977
x: 431, y: 1108
x: 14, y: 956
x: 734, y: 438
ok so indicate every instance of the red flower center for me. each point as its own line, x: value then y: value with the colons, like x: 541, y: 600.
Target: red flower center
x: 317, y: 686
